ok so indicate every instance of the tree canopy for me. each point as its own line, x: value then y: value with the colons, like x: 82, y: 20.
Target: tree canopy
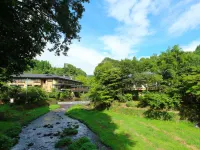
x: 174, y: 73
x: 26, y: 26
x: 44, y: 67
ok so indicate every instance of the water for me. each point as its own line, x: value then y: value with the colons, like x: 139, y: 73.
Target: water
x: 41, y: 134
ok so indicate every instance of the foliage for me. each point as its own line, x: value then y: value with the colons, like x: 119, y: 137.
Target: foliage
x: 130, y: 104
x: 30, y: 25
x: 82, y: 143
x: 65, y: 95
x: 54, y: 93
x: 88, y: 146
x: 44, y: 67
x: 159, y: 115
x: 5, y: 142
x: 125, y: 97
x: 63, y: 142
x: 159, y: 101
x: 69, y: 131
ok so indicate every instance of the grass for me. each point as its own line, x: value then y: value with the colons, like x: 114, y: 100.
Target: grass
x: 63, y: 142
x: 69, y: 131
x: 13, y: 117
x: 124, y: 128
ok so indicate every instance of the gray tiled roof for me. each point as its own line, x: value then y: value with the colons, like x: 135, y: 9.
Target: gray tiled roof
x: 42, y: 76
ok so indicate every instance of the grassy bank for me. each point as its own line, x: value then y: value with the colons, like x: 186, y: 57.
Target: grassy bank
x: 124, y: 128
x: 13, y: 118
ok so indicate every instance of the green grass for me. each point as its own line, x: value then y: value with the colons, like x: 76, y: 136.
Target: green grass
x: 13, y: 117
x: 63, y: 142
x: 124, y: 128
x: 54, y: 106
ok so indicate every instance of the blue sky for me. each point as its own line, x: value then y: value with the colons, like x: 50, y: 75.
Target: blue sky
x: 126, y: 28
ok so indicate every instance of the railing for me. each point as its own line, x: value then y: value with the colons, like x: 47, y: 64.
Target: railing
x: 80, y: 89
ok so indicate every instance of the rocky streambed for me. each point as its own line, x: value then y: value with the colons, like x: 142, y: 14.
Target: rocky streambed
x: 43, y: 133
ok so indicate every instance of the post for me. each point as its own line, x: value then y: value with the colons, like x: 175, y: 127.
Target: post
x: 26, y: 89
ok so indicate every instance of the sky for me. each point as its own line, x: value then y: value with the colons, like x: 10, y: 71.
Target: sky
x: 122, y: 29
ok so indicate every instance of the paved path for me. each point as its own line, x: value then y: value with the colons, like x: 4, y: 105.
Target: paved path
x: 38, y: 137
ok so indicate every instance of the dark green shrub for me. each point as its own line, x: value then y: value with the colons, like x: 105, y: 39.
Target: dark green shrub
x: 32, y: 95
x: 78, y: 143
x: 65, y: 95
x: 5, y: 142
x: 159, y: 115
x: 130, y: 104
x: 63, y: 142
x: 121, y: 98
x: 159, y: 101
x: 14, y: 132
x: 9, y: 92
x: 69, y: 131
x: 128, y: 97
x: 88, y: 146
x: 54, y: 94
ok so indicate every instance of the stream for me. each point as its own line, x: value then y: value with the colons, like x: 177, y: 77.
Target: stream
x: 42, y: 133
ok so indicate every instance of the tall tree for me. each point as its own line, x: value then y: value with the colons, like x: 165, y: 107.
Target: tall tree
x: 197, y: 50
x: 27, y: 25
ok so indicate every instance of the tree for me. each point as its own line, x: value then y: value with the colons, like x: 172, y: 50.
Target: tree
x: 26, y: 26
x: 197, y: 51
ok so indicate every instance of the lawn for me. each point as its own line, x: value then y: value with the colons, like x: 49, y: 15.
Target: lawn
x: 124, y: 128
x: 12, y: 118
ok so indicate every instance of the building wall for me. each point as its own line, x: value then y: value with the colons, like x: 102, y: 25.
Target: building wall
x: 46, y: 84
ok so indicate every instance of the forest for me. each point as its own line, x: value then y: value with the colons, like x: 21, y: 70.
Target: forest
x: 174, y: 73
x: 44, y: 67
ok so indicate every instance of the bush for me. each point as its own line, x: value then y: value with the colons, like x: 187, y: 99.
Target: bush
x: 33, y: 95
x: 121, y: 98
x: 8, y: 92
x: 82, y: 144
x: 130, y: 104
x: 124, y: 98
x: 14, y: 132
x: 85, y: 97
x: 63, y: 142
x: 54, y: 94
x: 65, y: 95
x: 159, y: 115
x: 128, y: 97
x: 5, y: 142
x: 69, y: 131
x: 88, y: 146
x: 159, y: 101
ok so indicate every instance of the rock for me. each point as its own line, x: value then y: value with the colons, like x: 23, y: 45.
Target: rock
x: 48, y: 126
x: 57, y: 133
x: 45, y: 126
x: 30, y: 144
x: 48, y: 134
x: 57, y: 122
x: 197, y: 125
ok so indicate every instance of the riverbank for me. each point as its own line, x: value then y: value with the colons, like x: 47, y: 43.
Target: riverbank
x: 13, y: 118
x: 44, y: 132
x: 124, y: 128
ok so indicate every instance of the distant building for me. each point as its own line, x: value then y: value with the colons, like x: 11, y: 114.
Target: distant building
x: 47, y: 82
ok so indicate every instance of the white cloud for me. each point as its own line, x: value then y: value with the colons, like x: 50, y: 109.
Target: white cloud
x: 191, y: 46
x: 135, y: 25
x: 81, y: 57
x: 190, y: 19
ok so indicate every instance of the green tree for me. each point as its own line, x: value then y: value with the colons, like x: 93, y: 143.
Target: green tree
x: 197, y: 50
x: 26, y: 27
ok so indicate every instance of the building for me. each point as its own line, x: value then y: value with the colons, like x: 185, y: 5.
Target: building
x: 47, y: 82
